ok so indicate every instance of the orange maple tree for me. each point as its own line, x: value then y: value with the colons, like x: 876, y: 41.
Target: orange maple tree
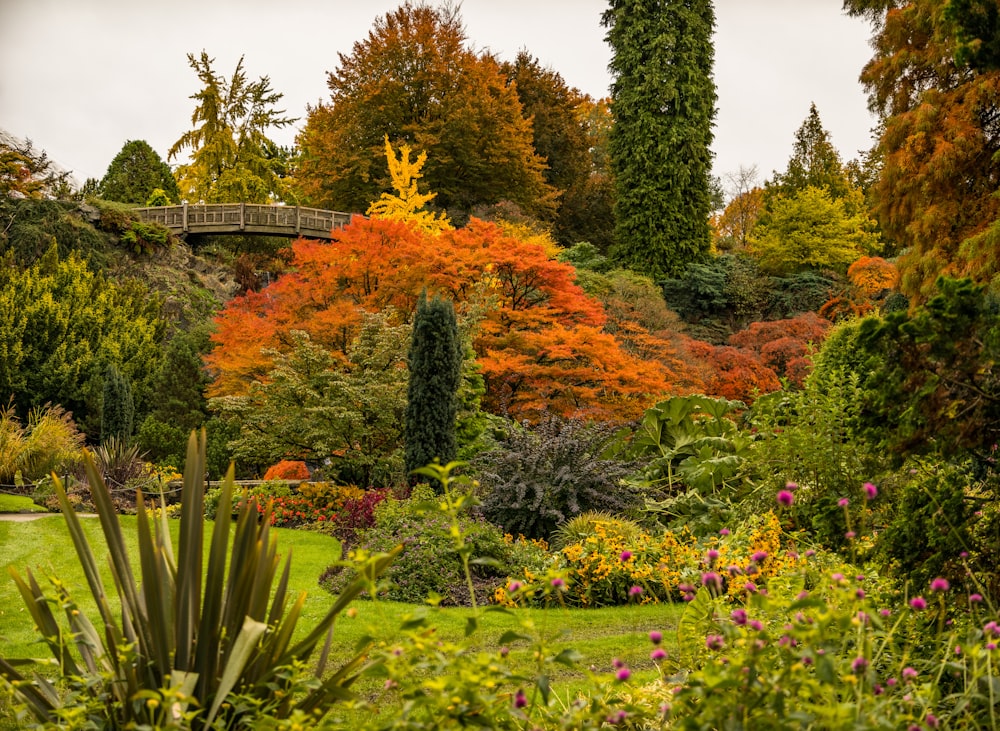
x: 538, y: 338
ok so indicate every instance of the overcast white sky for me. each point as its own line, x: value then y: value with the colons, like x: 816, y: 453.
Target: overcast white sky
x: 80, y: 77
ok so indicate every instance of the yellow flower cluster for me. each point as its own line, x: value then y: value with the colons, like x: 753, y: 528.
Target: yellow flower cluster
x: 329, y: 495
x: 613, y: 564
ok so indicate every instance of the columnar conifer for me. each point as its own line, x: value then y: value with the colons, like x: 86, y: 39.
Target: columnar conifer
x: 663, y: 104
x: 435, y: 371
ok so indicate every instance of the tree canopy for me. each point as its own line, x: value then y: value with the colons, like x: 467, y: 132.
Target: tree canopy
x: 232, y: 159
x: 135, y: 173
x: 415, y: 80
x: 537, y: 337
x: 936, y: 193
x: 663, y: 104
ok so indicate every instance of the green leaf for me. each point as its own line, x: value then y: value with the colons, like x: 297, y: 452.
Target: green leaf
x: 510, y: 636
x: 542, y: 681
x: 244, y: 646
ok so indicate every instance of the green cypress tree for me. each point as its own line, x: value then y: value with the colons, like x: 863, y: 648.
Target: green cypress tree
x: 435, y: 361
x: 117, y: 407
x: 663, y: 105
x: 135, y: 173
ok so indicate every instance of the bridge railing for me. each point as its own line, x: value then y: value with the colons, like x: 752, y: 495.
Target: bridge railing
x: 250, y: 217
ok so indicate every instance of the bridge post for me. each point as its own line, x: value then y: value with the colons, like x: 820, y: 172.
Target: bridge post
x: 243, y: 208
x: 184, y: 215
x: 298, y: 221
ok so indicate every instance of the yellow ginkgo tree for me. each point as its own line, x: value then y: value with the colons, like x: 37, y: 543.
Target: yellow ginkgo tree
x: 409, y: 203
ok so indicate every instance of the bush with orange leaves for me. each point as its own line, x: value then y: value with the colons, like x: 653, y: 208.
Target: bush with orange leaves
x: 287, y: 470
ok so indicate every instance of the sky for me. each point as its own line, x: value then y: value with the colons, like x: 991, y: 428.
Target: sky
x: 79, y: 78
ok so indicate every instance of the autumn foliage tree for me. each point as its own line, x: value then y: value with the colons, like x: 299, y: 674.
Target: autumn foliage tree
x: 936, y: 194
x: 232, y: 159
x: 539, y: 339
x: 415, y: 79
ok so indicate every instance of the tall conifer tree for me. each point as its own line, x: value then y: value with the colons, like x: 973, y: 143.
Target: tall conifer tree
x: 118, y: 406
x: 435, y: 373
x: 663, y: 104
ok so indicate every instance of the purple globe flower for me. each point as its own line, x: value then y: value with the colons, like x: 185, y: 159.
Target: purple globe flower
x: 871, y: 492
x: 656, y: 637
x: 918, y: 602
x: 940, y: 584
x: 658, y: 654
x: 786, y: 498
x: 623, y: 674
x: 520, y: 700
x: 625, y: 555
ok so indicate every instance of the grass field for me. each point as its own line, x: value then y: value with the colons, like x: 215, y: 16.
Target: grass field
x: 19, y: 504
x: 599, y: 635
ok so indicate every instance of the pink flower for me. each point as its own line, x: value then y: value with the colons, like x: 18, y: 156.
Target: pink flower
x: 755, y: 625
x: 656, y: 637
x: 710, y: 577
x: 712, y: 555
x: 513, y: 586
x: 791, y: 486
x: 870, y: 491
x: 850, y: 535
x: 918, y: 602
x: 724, y: 532
x: 909, y: 673
x: 558, y: 583
x: 623, y: 674
x: 658, y: 654
x: 859, y: 664
x: 785, y: 498
x: 520, y: 700
x: 626, y: 555
x: 739, y: 616
x: 975, y: 598
x: 843, y: 502
x: 759, y: 556
x: 635, y: 591
x: 940, y: 584
x: 931, y: 720
x: 715, y: 642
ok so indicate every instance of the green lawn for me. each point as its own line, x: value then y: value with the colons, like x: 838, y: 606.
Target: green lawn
x: 19, y: 504
x: 600, y: 635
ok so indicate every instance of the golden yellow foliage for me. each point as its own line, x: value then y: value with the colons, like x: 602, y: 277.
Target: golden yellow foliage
x: 408, y: 205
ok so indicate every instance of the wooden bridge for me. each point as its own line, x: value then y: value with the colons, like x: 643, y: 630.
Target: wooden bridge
x: 246, y: 218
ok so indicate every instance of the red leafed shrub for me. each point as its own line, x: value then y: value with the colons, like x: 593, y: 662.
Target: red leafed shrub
x: 287, y: 470
x: 357, y: 514
x: 778, y: 343
x: 733, y: 373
